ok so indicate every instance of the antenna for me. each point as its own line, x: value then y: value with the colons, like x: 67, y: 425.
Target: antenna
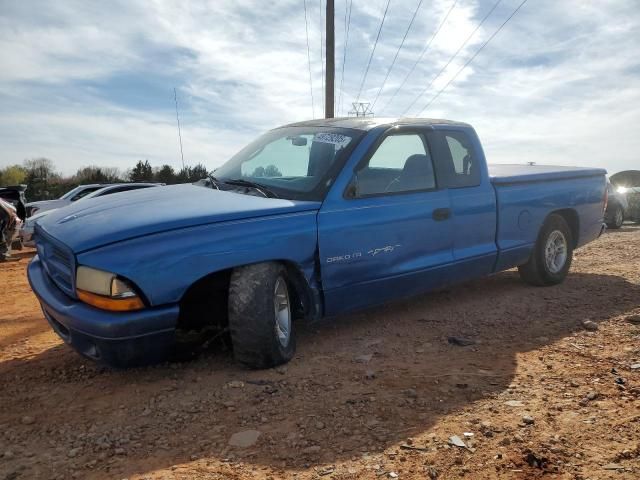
x: 175, y: 97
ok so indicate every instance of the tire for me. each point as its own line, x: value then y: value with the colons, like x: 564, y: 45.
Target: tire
x: 258, y: 336
x: 617, y: 218
x: 541, y: 270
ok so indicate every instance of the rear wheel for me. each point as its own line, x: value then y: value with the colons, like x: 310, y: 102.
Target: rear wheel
x: 261, y: 315
x: 551, y: 257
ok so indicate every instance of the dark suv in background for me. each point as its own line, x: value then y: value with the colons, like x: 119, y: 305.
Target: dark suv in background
x: 616, y: 207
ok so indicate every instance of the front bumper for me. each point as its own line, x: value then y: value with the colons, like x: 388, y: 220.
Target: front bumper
x: 116, y: 339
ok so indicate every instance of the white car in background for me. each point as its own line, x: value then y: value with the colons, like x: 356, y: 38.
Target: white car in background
x: 66, y: 199
x: 26, y: 232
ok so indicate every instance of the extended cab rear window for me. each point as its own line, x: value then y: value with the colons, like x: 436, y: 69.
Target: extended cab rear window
x: 457, y: 162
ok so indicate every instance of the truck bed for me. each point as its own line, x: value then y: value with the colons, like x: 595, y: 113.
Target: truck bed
x: 510, y: 173
x: 526, y: 194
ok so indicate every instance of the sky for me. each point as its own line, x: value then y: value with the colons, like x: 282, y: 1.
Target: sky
x: 92, y: 83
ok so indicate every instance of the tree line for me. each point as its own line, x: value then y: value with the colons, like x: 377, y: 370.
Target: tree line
x: 45, y: 182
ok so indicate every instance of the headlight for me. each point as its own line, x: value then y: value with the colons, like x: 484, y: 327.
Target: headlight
x: 106, y: 290
x: 622, y: 189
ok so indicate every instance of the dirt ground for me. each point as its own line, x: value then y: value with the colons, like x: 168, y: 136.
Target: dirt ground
x: 372, y: 395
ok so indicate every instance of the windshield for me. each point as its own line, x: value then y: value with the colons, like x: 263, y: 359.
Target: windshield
x: 71, y: 193
x: 296, y: 162
x: 80, y: 192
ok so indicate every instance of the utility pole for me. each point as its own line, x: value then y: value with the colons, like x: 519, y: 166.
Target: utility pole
x: 330, y: 51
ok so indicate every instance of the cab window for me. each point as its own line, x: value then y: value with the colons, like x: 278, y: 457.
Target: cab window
x: 401, y: 163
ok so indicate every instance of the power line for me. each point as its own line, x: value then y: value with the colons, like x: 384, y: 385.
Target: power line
x: 396, y: 55
x: 347, y: 25
x: 422, y: 54
x: 366, y: 72
x: 474, y: 56
x: 306, y: 27
x: 453, y: 57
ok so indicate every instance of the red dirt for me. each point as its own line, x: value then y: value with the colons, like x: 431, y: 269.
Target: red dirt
x: 335, y: 413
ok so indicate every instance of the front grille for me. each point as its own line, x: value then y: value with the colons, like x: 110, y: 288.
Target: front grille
x: 58, y: 261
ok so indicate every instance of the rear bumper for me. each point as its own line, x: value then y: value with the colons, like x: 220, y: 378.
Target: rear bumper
x: 116, y: 339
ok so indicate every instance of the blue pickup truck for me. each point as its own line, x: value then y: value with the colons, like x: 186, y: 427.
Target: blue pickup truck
x: 311, y: 219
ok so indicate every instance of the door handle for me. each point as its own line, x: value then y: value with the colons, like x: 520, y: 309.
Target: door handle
x: 440, y: 214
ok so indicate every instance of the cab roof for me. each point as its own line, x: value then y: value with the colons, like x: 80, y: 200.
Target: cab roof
x: 367, y: 123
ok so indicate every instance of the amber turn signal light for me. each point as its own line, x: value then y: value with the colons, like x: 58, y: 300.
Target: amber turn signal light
x: 126, y: 304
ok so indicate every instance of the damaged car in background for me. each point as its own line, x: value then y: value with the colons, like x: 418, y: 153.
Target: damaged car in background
x: 311, y: 219
x: 11, y: 218
x: 68, y: 198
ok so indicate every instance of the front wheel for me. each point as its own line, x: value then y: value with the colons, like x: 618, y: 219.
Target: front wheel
x: 551, y: 256
x: 261, y: 315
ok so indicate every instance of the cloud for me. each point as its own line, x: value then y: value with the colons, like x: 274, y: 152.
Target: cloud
x: 92, y: 83
x: 120, y: 139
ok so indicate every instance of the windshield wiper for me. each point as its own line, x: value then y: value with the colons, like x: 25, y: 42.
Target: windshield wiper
x: 214, y: 181
x: 256, y: 186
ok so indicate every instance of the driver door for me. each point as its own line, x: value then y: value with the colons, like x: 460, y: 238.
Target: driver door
x: 389, y: 236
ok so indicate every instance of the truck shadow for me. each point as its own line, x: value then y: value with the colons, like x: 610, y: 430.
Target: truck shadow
x: 360, y: 383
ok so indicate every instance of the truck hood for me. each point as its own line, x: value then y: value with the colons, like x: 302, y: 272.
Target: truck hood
x: 96, y: 222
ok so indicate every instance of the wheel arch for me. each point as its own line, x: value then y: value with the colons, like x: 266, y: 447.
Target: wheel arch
x: 205, y: 301
x: 536, y: 270
x: 307, y: 297
x: 573, y: 220
x: 210, y: 293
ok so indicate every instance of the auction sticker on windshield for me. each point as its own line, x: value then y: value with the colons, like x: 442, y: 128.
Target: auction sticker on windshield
x: 333, y: 138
